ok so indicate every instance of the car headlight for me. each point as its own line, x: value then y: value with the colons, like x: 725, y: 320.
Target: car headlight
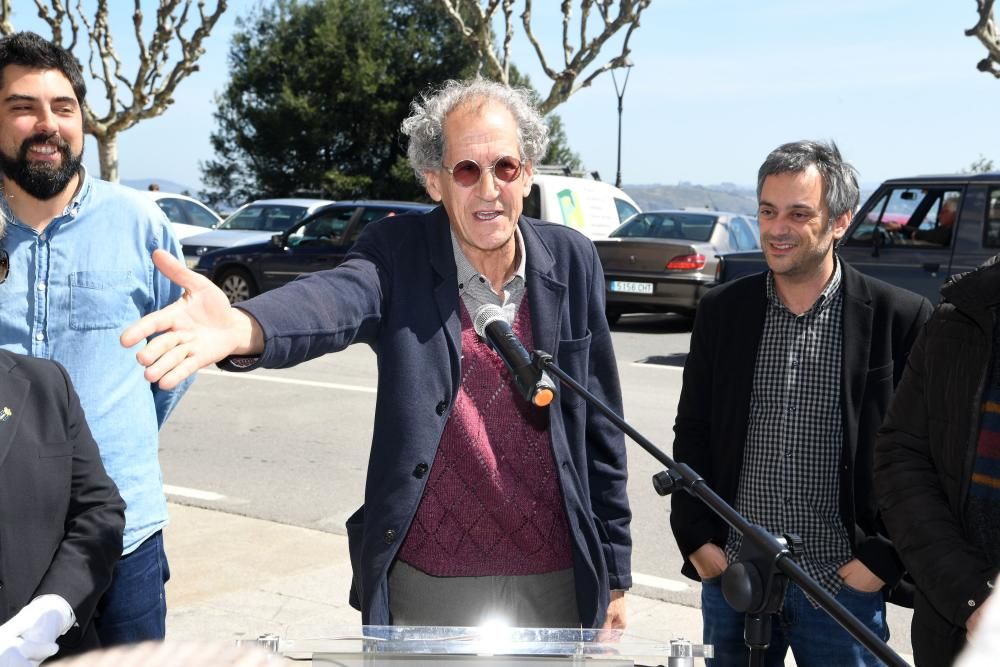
x: 192, y: 254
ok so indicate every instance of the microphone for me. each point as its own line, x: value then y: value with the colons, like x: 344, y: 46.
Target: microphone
x: 536, y: 386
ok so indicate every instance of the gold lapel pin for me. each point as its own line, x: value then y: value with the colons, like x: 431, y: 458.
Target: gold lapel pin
x: 5, y: 414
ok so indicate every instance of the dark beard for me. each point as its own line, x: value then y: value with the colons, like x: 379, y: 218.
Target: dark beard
x: 40, y: 180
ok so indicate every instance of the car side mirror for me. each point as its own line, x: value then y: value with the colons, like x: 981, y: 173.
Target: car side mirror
x: 278, y: 240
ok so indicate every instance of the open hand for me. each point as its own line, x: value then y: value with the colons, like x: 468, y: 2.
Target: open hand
x: 195, y: 331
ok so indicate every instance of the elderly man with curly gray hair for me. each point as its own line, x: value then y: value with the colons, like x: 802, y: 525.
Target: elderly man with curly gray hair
x: 479, y: 505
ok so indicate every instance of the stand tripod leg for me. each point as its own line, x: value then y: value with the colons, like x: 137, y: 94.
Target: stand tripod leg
x: 757, y: 635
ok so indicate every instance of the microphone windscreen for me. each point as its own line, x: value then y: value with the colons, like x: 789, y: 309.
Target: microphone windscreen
x: 486, y: 315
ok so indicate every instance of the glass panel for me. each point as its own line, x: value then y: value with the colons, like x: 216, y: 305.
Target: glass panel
x: 198, y: 214
x: 991, y: 231
x: 325, y: 228
x: 910, y: 217
x: 745, y: 239
x: 487, y: 646
x: 680, y: 226
x: 625, y: 210
x: 265, y: 218
x: 171, y: 209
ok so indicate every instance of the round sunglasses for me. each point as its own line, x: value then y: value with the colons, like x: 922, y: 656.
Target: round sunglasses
x: 467, y: 173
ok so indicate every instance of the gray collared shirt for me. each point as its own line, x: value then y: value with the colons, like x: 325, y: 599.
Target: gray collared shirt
x: 475, y: 288
x: 790, y: 475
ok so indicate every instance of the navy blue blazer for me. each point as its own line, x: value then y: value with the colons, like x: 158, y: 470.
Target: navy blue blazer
x: 397, y: 291
x: 880, y: 323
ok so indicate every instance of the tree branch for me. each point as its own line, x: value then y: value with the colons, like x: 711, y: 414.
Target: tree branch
x: 6, y: 26
x: 150, y: 91
x: 566, y: 83
x: 475, y: 20
x: 985, y: 31
x: 478, y: 32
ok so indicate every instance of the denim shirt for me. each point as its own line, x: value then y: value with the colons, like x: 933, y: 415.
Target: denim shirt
x: 71, y: 291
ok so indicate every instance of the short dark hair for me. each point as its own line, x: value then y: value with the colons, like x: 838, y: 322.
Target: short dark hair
x: 840, y: 180
x: 30, y: 50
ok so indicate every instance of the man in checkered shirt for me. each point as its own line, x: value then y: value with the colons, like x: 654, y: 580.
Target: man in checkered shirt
x: 788, y: 377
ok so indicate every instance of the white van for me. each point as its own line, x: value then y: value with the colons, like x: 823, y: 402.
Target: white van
x: 594, y: 207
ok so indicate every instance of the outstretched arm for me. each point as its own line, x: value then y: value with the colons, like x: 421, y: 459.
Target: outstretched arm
x: 195, y: 331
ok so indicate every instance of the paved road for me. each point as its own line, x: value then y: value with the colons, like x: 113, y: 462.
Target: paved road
x: 292, y: 445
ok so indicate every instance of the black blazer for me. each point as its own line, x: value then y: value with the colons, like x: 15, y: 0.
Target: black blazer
x: 880, y: 323
x: 61, y: 518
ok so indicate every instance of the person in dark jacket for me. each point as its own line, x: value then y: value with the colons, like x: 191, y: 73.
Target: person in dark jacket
x: 937, y: 464
x: 61, y: 517
x: 787, y: 380
x: 476, y: 502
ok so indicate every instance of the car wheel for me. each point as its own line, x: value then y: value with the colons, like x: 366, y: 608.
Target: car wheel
x: 237, y: 285
x: 613, y: 313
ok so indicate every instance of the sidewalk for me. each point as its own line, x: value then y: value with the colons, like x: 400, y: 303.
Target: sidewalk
x: 234, y: 577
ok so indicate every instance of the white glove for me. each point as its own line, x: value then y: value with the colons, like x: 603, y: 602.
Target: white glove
x: 33, y: 630
x: 10, y: 656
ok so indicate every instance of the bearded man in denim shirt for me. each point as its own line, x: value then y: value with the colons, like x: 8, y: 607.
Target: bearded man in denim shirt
x: 80, y: 269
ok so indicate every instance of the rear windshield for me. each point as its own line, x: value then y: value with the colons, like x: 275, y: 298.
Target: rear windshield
x: 681, y: 226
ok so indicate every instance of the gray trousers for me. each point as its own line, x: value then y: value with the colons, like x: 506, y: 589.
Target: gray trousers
x: 528, y: 601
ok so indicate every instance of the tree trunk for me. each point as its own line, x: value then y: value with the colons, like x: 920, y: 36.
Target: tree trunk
x: 107, y: 151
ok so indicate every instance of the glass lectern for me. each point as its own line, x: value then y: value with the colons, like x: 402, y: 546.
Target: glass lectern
x: 426, y: 646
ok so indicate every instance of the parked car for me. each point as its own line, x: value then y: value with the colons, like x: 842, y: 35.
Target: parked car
x: 318, y: 241
x: 904, y: 233
x: 187, y: 215
x: 594, y: 207
x: 663, y: 261
x: 255, y: 222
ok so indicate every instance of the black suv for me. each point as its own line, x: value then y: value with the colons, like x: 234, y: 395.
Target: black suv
x: 915, y: 232
x: 319, y: 241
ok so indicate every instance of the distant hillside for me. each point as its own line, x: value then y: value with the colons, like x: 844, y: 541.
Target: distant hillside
x: 721, y: 197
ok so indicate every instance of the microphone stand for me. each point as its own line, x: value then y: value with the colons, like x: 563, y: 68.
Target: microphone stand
x: 755, y: 584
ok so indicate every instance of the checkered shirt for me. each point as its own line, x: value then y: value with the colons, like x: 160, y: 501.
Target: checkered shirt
x: 475, y: 289
x: 789, y: 481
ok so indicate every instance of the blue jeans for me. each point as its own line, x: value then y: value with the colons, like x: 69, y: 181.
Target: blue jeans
x: 134, y: 608
x: 815, y: 638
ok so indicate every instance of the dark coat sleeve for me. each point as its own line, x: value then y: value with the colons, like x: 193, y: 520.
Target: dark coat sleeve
x: 606, y: 461
x: 692, y: 522
x: 81, y: 568
x: 873, y: 544
x: 913, y: 497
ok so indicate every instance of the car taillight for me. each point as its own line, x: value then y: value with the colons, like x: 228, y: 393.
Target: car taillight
x: 686, y: 263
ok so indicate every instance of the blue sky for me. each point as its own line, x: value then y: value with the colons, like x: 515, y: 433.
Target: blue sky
x: 716, y: 85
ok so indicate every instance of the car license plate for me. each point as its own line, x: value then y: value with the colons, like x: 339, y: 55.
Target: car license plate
x: 632, y: 288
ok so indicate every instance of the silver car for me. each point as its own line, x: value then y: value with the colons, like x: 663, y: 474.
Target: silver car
x: 255, y: 222
x: 663, y: 261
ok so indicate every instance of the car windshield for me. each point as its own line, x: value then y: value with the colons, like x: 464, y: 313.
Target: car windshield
x: 680, y: 226
x: 265, y: 218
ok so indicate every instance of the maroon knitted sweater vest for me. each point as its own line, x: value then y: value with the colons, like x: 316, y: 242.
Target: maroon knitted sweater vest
x: 492, y: 505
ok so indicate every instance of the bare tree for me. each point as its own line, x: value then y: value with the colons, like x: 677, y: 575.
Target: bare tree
x: 166, y: 57
x: 5, y: 26
x: 579, y: 49
x: 985, y: 31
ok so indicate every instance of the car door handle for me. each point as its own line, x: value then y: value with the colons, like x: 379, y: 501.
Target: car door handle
x: 932, y: 267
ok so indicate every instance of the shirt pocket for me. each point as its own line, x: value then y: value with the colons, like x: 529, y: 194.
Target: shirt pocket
x: 100, y: 299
